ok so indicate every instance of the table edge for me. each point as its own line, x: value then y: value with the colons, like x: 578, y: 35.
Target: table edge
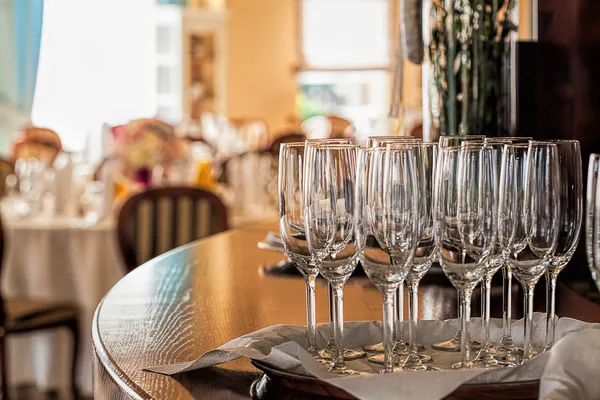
x: 101, y: 353
x: 117, y: 374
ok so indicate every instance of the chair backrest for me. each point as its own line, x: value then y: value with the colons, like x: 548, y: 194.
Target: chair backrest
x: 6, y: 168
x: 160, y: 219
x: 40, y: 143
x: 288, y: 137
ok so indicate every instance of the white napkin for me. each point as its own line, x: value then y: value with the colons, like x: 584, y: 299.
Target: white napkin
x: 283, y: 346
x: 573, y: 367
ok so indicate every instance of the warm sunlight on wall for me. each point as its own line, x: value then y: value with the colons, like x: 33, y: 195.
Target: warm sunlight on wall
x: 261, y: 54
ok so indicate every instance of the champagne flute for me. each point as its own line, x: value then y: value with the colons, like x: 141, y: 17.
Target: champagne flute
x: 591, y: 221
x: 466, y: 224
x: 349, y: 354
x: 449, y: 141
x: 329, y: 223
x: 536, y: 235
x: 387, y: 218
x: 291, y: 226
x: 506, y: 347
x: 504, y: 158
x: 425, y: 252
x: 571, y: 216
x: 399, y: 344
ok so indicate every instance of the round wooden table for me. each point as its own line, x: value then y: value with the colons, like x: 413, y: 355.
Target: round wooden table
x: 197, y: 297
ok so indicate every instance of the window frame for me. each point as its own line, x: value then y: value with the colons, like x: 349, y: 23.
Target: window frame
x: 393, y: 36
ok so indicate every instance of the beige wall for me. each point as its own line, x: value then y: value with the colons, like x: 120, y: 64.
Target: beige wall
x: 261, y: 55
x: 262, y: 52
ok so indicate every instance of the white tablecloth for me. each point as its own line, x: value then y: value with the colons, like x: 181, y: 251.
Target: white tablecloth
x: 61, y: 260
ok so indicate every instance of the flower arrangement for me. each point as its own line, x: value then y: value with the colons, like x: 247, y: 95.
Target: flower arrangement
x: 143, y: 144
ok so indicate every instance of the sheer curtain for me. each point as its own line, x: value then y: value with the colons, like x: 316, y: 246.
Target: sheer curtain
x: 96, y: 66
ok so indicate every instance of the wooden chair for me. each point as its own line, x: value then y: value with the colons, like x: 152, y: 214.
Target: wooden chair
x: 288, y: 137
x: 328, y: 126
x: 19, y: 316
x: 40, y: 143
x: 160, y: 219
x: 340, y: 127
x: 6, y: 168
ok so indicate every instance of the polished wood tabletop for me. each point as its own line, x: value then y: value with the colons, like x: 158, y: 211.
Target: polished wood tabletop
x: 197, y: 297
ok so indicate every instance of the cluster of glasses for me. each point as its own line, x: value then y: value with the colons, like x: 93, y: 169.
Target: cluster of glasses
x: 474, y: 204
x: 33, y: 190
x: 30, y: 191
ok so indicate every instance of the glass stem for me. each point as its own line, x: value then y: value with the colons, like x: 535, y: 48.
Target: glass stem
x: 338, y: 325
x: 460, y: 313
x: 507, y: 300
x: 399, y: 306
x: 413, y: 314
x: 465, y: 346
x: 311, y: 313
x: 331, y: 302
x: 388, y: 330
x: 550, y: 307
x: 486, y: 287
x: 528, y: 325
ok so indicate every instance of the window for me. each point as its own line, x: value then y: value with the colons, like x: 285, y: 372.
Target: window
x: 346, y: 51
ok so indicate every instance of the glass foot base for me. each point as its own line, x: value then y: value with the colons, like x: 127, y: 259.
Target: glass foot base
x: 400, y: 348
x: 349, y: 354
x: 461, y: 365
x: 345, y: 371
x: 485, y: 360
x: 398, y: 359
x: 418, y: 367
x: 454, y: 344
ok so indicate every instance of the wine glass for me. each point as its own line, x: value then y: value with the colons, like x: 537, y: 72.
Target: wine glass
x: 387, y: 226
x: 537, y: 232
x: 329, y: 224
x: 466, y: 223
x: 571, y: 215
x: 425, y: 253
x: 349, y: 354
x: 591, y: 222
x: 291, y: 226
x: 506, y: 347
x: 449, y: 141
x: 399, y: 345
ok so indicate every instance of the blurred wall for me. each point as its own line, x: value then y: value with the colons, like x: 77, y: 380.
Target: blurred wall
x: 261, y: 55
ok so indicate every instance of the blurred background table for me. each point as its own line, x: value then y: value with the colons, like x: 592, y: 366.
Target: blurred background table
x: 59, y: 259
x: 177, y: 307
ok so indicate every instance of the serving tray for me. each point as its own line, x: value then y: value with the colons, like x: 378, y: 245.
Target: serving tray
x: 310, y: 385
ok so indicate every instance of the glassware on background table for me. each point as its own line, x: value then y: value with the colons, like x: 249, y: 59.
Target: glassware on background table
x: 592, y: 223
x: 448, y: 141
x: 570, y: 218
x: 329, y: 196
x: 387, y: 205
x: 48, y: 197
x: 349, y: 354
x: 291, y: 225
x: 400, y: 346
x: 92, y: 202
x: 536, y: 234
x: 466, y: 223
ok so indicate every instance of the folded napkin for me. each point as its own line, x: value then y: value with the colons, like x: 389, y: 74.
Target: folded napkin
x: 572, y: 368
x: 283, y: 346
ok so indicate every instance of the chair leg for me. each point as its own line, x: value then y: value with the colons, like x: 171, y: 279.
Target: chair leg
x: 73, y: 326
x: 3, y: 365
